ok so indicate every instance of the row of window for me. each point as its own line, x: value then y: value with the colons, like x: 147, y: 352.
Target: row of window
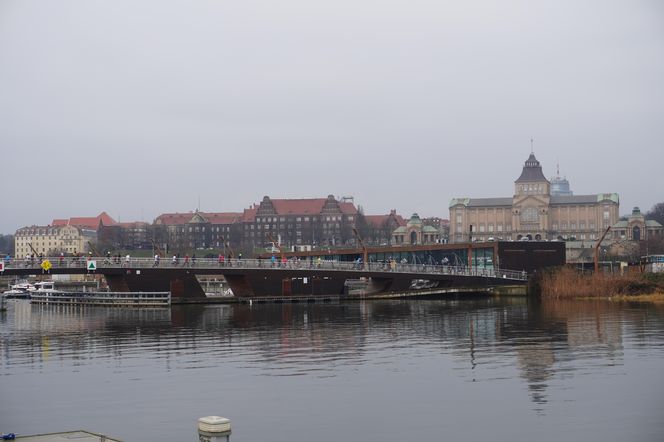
x: 572, y: 226
x: 490, y: 228
x: 530, y: 189
x: 273, y: 219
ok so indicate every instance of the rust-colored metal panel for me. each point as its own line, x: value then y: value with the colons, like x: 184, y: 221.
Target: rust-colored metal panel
x: 286, y: 287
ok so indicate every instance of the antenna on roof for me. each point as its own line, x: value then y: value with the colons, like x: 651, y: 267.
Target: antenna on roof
x: 531, y: 145
x: 557, y: 168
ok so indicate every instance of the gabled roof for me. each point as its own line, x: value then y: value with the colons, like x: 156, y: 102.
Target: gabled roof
x: 249, y: 215
x: 173, y: 219
x: 379, y: 221
x: 223, y: 217
x: 90, y: 222
x: 348, y: 208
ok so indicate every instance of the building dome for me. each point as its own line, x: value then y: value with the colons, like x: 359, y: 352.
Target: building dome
x: 414, y: 220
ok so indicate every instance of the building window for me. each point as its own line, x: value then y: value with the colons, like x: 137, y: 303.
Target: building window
x: 529, y: 215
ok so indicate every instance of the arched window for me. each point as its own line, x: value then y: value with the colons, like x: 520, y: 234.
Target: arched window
x: 636, y: 233
x: 529, y: 215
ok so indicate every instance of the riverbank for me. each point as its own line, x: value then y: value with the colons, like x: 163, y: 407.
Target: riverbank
x: 566, y: 283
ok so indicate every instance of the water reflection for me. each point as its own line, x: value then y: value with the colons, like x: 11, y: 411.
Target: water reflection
x: 548, y: 346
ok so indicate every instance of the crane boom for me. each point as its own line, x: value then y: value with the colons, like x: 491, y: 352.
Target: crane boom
x: 157, y: 248
x: 275, y: 244
x: 93, y: 249
x: 365, y: 252
x: 33, y: 249
x: 231, y: 254
x: 597, y: 249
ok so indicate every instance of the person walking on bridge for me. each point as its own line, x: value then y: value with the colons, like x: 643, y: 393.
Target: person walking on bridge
x: 156, y: 261
x: 174, y: 261
x: 186, y: 261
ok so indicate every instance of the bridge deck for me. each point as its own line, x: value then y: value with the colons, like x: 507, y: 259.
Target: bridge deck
x: 256, y: 277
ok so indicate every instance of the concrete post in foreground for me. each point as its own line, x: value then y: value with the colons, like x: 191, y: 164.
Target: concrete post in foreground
x: 214, y: 429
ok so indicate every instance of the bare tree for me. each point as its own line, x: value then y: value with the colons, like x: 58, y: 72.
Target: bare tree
x: 656, y: 213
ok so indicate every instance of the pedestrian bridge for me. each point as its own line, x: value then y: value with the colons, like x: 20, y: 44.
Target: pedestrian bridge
x: 265, y: 278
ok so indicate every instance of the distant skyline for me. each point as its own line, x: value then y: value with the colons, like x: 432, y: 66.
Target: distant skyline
x: 141, y: 108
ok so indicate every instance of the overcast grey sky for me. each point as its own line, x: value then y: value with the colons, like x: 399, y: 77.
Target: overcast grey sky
x: 143, y: 107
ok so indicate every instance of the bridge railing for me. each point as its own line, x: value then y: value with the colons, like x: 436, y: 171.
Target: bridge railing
x: 41, y: 265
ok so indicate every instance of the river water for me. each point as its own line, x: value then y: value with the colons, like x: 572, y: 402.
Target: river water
x: 427, y: 370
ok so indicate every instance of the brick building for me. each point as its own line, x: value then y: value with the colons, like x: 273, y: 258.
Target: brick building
x: 299, y: 222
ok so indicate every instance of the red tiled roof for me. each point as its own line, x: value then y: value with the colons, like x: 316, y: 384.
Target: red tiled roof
x: 223, y: 217
x: 348, y: 208
x: 308, y: 206
x: 174, y: 219
x: 249, y: 215
x: 91, y: 222
x: 380, y: 220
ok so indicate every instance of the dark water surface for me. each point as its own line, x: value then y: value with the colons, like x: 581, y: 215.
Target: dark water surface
x: 428, y: 370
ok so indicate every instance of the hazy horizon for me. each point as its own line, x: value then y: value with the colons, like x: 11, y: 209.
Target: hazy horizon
x: 142, y: 108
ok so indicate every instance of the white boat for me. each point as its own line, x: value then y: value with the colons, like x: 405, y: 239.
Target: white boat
x: 24, y: 286
x: 19, y: 290
x: 44, y: 287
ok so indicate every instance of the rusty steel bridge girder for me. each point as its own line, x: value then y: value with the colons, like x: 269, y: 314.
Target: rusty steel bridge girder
x: 249, y: 278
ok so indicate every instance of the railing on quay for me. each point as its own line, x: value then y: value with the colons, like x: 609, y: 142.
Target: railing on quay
x: 137, y: 299
x: 211, y: 263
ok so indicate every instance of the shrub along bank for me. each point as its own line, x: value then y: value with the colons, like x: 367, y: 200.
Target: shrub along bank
x: 565, y: 283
